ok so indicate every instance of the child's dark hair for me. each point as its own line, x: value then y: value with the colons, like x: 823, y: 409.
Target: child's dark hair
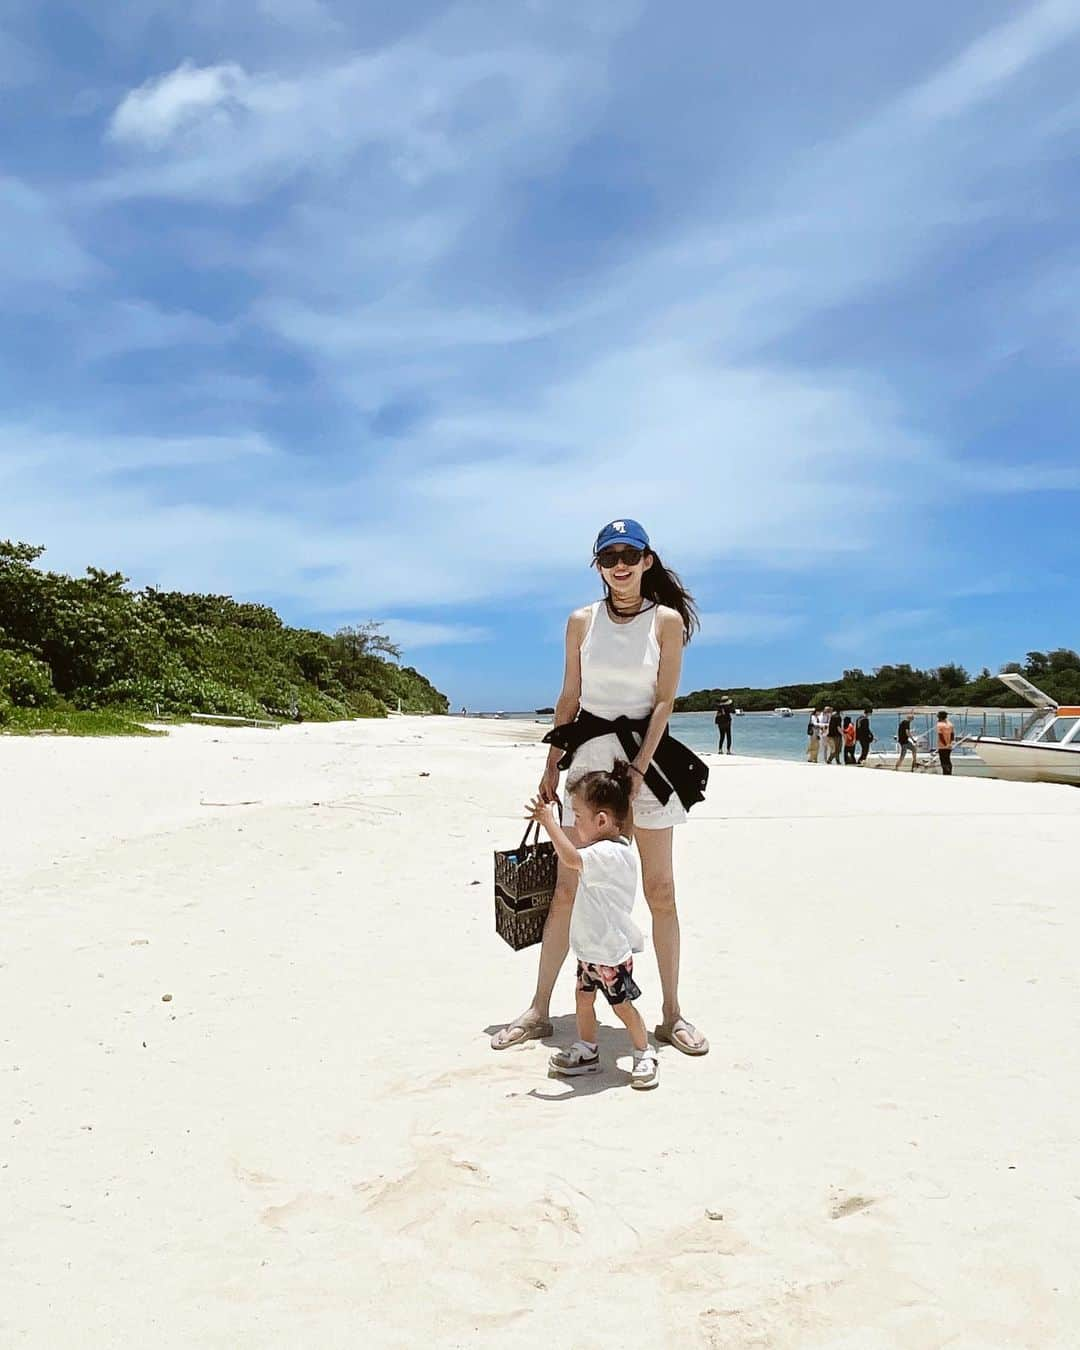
x: 607, y: 789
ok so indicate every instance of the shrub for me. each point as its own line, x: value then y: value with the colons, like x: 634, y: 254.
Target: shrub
x: 363, y: 704
x: 25, y: 681
x: 176, y: 690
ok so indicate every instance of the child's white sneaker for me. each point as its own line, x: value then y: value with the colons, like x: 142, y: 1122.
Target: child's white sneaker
x: 645, y: 1073
x: 579, y: 1058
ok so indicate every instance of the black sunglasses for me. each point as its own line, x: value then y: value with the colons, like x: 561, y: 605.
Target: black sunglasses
x: 627, y: 554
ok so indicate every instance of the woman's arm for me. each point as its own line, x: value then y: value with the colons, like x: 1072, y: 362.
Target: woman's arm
x: 569, y: 700
x: 672, y: 640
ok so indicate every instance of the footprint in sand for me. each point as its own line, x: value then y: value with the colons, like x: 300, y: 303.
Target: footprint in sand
x: 852, y: 1205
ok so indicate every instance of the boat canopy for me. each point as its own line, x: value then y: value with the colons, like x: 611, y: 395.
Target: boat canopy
x: 1027, y: 690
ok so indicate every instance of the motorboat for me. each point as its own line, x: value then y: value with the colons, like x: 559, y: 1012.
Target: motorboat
x: 1047, y: 750
x: 784, y: 712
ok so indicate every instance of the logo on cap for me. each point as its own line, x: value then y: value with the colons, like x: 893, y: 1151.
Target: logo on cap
x: 619, y: 525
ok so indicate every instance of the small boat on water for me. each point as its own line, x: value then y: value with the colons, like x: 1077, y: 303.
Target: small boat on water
x: 1048, y: 747
x: 783, y: 712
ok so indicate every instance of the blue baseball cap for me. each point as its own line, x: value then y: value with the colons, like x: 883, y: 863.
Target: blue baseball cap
x: 621, y: 532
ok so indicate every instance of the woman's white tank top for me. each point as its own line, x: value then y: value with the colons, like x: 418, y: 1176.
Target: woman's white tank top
x: 619, y: 664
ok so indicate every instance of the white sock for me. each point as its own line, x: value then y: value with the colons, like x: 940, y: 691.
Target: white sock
x: 591, y: 1046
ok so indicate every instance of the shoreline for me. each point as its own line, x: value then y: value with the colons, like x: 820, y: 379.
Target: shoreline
x: 312, y: 1126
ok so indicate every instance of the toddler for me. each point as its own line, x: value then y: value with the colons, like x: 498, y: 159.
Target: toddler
x: 603, y: 936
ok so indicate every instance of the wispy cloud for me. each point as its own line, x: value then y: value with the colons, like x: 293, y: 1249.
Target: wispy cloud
x: 746, y: 626
x: 56, y: 455
x: 869, y: 630
x: 185, y: 100
x: 431, y: 106
x: 412, y: 634
x: 40, y: 249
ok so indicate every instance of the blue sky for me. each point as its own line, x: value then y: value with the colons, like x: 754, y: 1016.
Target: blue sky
x: 376, y: 312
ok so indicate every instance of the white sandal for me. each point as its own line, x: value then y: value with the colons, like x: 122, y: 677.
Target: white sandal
x: 645, y: 1073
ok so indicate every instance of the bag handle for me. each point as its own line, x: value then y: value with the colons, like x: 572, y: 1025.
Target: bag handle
x: 534, y: 826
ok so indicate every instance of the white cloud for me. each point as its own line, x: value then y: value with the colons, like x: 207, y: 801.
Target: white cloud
x: 872, y: 627
x: 748, y: 468
x: 412, y: 633
x: 136, y: 325
x: 976, y: 475
x: 746, y: 626
x: 992, y: 60
x: 39, y: 247
x: 34, y: 460
x: 466, y: 97
x: 179, y: 101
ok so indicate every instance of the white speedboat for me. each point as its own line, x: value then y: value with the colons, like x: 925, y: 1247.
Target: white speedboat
x: 1048, y: 747
x: 784, y: 712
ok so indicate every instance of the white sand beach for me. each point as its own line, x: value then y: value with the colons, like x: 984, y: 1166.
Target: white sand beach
x: 248, y: 980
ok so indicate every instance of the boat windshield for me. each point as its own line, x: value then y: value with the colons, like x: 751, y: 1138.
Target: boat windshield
x: 1059, y: 729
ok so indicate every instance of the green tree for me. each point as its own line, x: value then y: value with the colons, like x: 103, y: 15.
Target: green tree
x: 99, y: 643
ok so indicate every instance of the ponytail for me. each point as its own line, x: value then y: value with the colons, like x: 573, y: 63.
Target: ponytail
x: 607, y: 790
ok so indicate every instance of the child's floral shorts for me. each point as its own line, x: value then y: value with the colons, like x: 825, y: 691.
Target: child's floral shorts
x: 616, y: 983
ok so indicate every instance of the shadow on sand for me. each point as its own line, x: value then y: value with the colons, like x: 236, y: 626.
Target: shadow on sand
x: 613, y: 1042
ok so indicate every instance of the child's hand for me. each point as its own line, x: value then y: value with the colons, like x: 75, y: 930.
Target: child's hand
x: 540, y: 810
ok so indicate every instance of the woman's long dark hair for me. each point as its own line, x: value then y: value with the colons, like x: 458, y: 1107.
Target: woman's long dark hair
x: 661, y: 586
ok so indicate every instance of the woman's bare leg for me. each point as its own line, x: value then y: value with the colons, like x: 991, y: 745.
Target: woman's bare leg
x: 658, y: 881
x: 553, y: 949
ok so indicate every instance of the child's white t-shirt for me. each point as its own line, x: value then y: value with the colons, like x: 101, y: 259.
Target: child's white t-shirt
x: 601, y: 929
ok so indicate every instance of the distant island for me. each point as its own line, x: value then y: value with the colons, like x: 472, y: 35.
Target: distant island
x: 1056, y: 673
x: 89, y: 654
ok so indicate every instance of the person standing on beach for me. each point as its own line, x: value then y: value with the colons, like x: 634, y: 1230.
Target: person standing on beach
x: 833, y: 736
x: 864, y: 734
x: 849, y: 740
x: 821, y: 717
x: 906, y: 742
x: 813, y: 738
x: 946, y: 735
x: 723, y: 724
x: 623, y: 661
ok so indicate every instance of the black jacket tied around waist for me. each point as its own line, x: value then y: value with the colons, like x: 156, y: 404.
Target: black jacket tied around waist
x: 674, y: 767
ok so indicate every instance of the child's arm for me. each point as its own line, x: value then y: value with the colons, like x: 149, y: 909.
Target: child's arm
x: 544, y: 812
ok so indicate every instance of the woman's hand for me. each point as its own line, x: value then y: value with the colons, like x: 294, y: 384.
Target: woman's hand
x: 549, y: 784
x: 637, y: 777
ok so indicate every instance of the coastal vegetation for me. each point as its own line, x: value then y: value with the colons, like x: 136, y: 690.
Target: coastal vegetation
x: 91, y: 655
x: 1056, y: 673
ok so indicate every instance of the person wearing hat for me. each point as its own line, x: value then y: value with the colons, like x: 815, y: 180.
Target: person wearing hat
x: 723, y: 724
x: 623, y: 661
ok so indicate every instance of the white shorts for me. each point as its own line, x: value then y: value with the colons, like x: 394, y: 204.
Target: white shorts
x: 649, y: 812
